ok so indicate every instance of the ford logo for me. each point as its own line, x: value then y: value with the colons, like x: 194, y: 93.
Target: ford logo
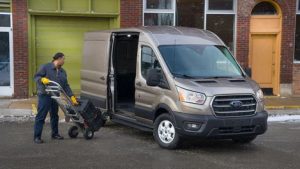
x: 236, y: 104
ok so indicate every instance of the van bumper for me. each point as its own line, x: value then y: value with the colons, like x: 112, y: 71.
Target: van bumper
x: 211, y: 126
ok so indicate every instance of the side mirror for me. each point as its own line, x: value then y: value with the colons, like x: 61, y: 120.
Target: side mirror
x: 248, y: 71
x: 153, y: 77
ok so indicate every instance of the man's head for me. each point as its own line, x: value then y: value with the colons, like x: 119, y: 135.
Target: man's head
x: 59, y: 59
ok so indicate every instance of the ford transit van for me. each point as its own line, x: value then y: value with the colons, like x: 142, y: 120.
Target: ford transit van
x: 176, y: 82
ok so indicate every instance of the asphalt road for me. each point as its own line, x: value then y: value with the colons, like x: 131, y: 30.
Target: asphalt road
x: 119, y: 147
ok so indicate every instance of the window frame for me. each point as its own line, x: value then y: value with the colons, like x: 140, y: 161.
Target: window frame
x: 297, y: 13
x: 153, y: 52
x: 9, y: 90
x: 160, y: 11
x: 297, y: 7
x: 223, y: 12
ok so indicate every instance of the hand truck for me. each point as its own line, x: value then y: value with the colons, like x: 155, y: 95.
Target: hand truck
x: 86, y: 118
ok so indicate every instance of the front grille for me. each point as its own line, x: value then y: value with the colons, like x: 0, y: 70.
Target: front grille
x: 234, y: 105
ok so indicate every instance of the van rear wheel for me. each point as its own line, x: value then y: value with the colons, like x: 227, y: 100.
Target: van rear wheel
x: 165, y: 133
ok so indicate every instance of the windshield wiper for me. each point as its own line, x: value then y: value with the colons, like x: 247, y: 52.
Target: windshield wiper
x: 217, y: 77
x: 184, y: 75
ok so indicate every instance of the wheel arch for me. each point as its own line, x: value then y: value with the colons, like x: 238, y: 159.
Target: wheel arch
x: 163, y: 109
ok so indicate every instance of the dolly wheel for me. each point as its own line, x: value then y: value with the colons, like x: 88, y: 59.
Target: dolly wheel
x: 73, y: 132
x: 88, y: 134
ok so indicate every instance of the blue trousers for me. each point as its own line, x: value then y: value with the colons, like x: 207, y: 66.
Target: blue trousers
x: 46, y: 104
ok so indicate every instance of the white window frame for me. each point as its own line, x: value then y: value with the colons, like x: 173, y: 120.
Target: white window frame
x: 297, y: 13
x: 160, y: 11
x: 223, y: 12
x: 9, y: 90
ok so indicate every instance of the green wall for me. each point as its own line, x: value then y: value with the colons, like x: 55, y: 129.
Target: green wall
x: 5, y: 6
x: 59, y: 25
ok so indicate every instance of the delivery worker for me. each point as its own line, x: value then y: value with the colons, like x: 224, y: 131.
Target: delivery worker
x: 50, y: 71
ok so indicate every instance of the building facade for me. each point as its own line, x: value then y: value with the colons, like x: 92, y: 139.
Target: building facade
x: 264, y: 35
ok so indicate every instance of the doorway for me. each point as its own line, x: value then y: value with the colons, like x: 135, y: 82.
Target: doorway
x: 124, y: 63
x: 6, y: 56
x: 265, y: 45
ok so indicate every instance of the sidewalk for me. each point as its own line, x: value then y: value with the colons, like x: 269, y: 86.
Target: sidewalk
x: 26, y: 108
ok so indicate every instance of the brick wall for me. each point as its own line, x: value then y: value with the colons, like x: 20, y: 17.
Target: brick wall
x: 20, y: 41
x: 131, y: 13
x: 296, y: 79
x: 288, y: 34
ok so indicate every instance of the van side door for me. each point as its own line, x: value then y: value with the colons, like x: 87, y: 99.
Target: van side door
x: 94, y: 72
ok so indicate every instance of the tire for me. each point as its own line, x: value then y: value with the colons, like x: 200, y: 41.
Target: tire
x: 88, y: 133
x: 165, y: 133
x: 244, y: 139
x: 73, y: 132
x: 105, y: 118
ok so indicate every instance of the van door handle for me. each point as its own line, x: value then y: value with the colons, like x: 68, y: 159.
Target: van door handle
x: 139, y: 84
x: 102, y: 78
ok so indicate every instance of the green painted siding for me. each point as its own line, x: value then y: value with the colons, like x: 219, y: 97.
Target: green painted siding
x: 65, y: 34
x: 75, y: 7
x: 5, y: 6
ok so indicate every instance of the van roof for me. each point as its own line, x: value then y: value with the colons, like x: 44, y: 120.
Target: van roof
x: 170, y: 35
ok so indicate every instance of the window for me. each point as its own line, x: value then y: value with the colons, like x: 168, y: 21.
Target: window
x: 198, y: 61
x: 297, y: 35
x: 264, y: 8
x: 159, y: 4
x: 220, y: 16
x: 159, y: 12
x: 190, y: 13
x: 4, y: 20
x: 5, y: 50
x: 149, y: 61
x: 220, y: 5
x: 4, y: 59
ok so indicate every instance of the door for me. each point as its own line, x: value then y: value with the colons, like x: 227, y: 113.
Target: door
x: 146, y: 96
x: 6, y: 56
x: 265, y: 44
x: 263, y: 60
x: 65, y: 34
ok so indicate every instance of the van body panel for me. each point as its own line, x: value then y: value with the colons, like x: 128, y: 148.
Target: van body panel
x: 94, y: 70
x: 214, y: 87
x: 213, y: 127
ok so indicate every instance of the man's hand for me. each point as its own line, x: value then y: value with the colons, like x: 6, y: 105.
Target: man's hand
x: 45, y: 80
x: 74, y: 101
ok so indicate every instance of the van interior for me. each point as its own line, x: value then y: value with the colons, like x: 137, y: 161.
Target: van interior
x: 124, y: 61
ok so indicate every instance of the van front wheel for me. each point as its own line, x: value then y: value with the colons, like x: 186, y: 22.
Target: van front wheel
x: 165, y: 132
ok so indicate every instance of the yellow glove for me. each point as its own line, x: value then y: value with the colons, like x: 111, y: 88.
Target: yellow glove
x: 74, y: 101
x: 45, y: 80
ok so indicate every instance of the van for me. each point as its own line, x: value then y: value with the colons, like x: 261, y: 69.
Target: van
x: 176, y: 82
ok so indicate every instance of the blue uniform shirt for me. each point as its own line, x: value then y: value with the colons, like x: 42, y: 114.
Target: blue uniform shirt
x: 58, y: 75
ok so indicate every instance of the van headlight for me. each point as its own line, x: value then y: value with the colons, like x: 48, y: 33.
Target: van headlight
x: 260, y: 95
x: 190, y: 96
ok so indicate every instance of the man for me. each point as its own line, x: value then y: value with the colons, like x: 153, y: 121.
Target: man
x: 50, y: 71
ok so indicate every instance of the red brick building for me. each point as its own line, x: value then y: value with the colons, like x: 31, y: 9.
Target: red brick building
x: 264, y: 35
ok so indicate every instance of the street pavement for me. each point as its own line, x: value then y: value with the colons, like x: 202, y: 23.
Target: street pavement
x: 117, y: 147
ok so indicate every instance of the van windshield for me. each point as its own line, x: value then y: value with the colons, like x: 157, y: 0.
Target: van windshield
x: 200, y: 61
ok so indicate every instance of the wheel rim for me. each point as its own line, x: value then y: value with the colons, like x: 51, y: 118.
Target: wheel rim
x: 75, y: 132
x: 90, y: 134
x: 166, y: 131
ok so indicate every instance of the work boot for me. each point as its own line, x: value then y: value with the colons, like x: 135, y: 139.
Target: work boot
x: 57, y: 137
x: 38, y: 141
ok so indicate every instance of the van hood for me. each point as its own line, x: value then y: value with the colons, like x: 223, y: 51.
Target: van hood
x: 219, y: 86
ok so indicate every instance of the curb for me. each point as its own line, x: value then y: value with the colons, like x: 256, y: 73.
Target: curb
x: 282, y: 107
x: 16, y: 115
